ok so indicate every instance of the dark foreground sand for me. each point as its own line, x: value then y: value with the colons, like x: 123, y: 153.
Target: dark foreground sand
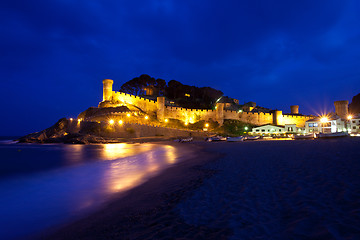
x: 247, y: 190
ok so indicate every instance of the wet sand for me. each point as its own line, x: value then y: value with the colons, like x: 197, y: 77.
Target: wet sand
x: 247, y: 190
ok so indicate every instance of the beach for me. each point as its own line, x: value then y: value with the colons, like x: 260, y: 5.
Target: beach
x: 248, y: 190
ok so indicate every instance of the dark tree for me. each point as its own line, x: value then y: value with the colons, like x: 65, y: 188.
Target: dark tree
x: 137, y: 86
x: 160, y: 86
x: 183, y: 95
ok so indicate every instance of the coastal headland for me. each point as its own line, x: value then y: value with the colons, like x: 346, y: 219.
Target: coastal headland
x: 249, y: 190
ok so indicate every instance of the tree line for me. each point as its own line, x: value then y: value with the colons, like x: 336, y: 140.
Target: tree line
x: 183, y: 95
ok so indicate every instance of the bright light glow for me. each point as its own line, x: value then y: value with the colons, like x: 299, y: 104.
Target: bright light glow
x: 349, y: 117
x: 191, y: 120
x: 121, y: 122
x: 128, y: 115
x: 166, y: 120
x: 146, y: 117
x: 246, y: 128
x: 71, y: 119
x: 186, y: 123
x: 324, y: 119
x: 111, y: 121
x: 206, y: 125
x: 79, y: 120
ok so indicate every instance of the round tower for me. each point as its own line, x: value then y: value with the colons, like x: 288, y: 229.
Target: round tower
x: 341, y: 108
x: 107, y: 89
x: 219, y: 113
x: 160, y: 108
x: 277, y: 117
x: 294, y: 109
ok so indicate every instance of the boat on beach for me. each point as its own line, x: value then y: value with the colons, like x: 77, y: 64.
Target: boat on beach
x: 333, y: 135
x: 189, y: 139
x: 216, y: 138
x: 252, y: 138
x: 305, y: 136
x: 235, y: 139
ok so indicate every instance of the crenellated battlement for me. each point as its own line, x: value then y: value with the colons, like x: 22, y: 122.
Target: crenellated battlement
x: 158, y: 108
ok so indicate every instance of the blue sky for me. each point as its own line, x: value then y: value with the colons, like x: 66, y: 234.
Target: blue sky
x: 54, y: 54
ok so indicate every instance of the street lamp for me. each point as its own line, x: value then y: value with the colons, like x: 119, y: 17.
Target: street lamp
x: 348, y: 128
x: 323, y: 120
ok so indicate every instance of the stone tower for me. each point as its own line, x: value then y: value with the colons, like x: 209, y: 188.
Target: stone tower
x: 160, y: 108
x: 277, y: 117
x: 107, y: 89
x: 220, y: 113
x: 294, y: 109
x: 341, y: 108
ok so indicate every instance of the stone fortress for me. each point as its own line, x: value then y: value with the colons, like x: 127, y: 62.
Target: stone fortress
x: 161, y: 109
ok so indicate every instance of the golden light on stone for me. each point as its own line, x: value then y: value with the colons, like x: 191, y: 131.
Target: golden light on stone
x: 121, y: 122
x: 128, y: 115
x: 146, y: 117
x: 191, y: 120
x: 111, y: 121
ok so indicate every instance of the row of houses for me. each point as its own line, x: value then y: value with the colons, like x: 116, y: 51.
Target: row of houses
x: 328, y: 124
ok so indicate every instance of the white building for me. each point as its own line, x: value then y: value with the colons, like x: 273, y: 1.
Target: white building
x: 354, y: 124
x: 326, y: 125
x: 277, y: 129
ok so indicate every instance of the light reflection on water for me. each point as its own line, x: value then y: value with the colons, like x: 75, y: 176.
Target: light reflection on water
x: 31, y: 203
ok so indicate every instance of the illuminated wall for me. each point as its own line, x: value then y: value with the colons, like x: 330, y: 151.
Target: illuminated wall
x: 193, y: 115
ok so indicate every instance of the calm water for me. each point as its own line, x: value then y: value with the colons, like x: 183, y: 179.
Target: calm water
x: 42, y: 186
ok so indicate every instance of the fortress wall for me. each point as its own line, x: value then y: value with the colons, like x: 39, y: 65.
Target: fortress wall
x: 194, y: 115
x: 190, y: 115
x: 231, y: 115
x: 256, y: 118
x: 295, y: 119
x: 143, y: 103
x: 134, y: 130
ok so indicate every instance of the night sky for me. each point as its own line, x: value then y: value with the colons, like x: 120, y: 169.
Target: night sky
x: 55, y: 54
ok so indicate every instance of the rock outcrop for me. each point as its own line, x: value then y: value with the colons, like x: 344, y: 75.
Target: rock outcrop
x: 51, y: 134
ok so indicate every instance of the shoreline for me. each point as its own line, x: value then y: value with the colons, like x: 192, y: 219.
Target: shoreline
x: 142, y: 211
x: 248, y: 190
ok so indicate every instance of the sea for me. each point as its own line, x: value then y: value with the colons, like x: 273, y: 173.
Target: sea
x: 43, y: 186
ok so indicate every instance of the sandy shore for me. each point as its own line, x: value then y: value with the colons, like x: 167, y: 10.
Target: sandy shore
x: 146, y: 212
x: 247, y: 190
